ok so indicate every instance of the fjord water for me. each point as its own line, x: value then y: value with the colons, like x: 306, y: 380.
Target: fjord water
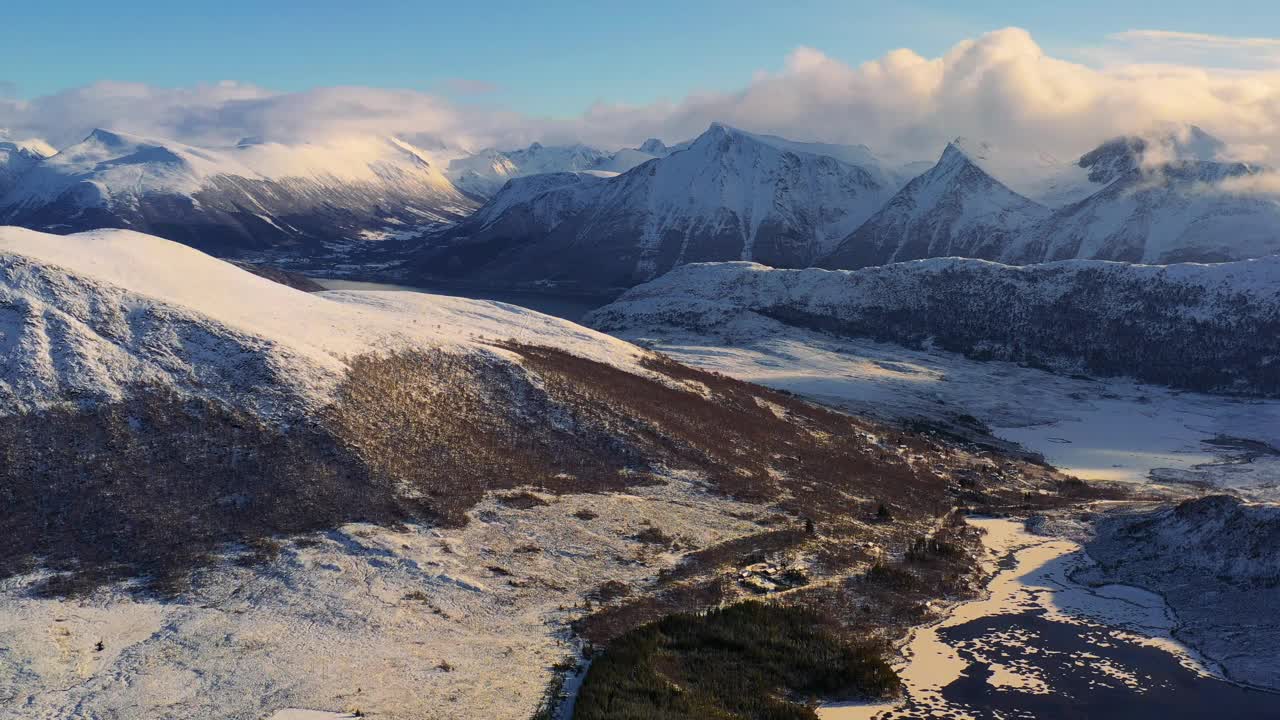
x: 1041, y: 645
x: 566, y: 306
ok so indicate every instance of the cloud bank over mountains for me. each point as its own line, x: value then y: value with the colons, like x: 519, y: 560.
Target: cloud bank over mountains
x: 1001, y: 86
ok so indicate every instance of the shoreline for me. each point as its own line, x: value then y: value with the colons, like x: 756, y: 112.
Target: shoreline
x: 1030, y: 567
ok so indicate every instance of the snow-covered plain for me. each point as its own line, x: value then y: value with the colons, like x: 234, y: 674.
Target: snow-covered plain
x: 1111, y: 429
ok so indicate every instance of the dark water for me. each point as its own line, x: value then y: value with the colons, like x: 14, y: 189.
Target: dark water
x: 1093, y: 673
x: 569, y: 307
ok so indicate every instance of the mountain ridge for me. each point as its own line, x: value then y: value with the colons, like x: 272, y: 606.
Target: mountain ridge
x: 727, y: 193
x: 1193, y: 326
x: 262, y: 197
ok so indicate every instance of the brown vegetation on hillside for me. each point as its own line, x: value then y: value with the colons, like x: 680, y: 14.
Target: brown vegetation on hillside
x: 153, y: 485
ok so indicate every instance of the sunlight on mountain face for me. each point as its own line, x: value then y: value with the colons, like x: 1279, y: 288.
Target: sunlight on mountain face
x: 481, y: 362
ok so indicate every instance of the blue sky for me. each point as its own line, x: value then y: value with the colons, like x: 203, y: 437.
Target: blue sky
x: 549, y: 58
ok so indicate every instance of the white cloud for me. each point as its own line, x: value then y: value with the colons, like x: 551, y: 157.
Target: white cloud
x: 1189, y: 48
x: 1000, y: 87
x: 1265, y: 185
x: 1191, y: 39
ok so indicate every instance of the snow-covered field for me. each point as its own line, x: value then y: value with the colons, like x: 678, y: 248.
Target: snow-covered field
x: 1111, y: 429
x: 413, y: 624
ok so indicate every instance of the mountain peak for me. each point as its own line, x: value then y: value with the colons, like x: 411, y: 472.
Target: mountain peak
x: 962, y: 151
x: 33, y: 149
x: 106, y: 137
x: 653, y: 146
x: 1196, y: 144
x: 719, y: 129
x: 1168, y: 144
x: 972, y: 150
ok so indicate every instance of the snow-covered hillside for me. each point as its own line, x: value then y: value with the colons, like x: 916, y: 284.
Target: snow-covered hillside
x: 1214, y: 561
x: 728, y: 195
x: 87, y: 315
x: 225, y: 496
x: 1204, y: 327
x: 255, y: 196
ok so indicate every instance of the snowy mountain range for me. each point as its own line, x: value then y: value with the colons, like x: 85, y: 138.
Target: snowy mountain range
x: 1150, y: 200
x: 576, y: 217
x: 1201, y: 327
x: 253, y: 197
x: 732, y: 195
x: 728, y: 194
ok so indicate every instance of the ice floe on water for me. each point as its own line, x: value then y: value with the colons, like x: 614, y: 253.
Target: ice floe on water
x: 1044, y: 644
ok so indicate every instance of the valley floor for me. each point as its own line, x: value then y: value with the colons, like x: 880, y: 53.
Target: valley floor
x: 1108, y: 429
x: 1178, y: 443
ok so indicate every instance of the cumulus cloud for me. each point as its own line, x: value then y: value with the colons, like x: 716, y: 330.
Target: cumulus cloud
x: 1263, y: 184
x: 1000, y: 87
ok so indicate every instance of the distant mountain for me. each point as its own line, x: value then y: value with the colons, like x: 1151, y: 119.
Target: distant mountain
x: 1166, y: 198
x: 583, y: 218
x: 16, y: 158
x: 302, y: 200
x: 1162, y: 202
x: 954, y: 209
x: 484, y: 173
x: 727, y: 195
x: 1200, y: 327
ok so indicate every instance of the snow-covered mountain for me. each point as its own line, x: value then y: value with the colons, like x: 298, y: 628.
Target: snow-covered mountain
x: 16, y: 158
x: 86, y: 316
x: 727, y: 195
x: 427, y: 490
x: 582, y: 218
x: 955, y: 209
x: 1158, y: 199
x: 1160, y: 202
x: 256, y: 196
x: 1201, y: 327
x: 484, y: 173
